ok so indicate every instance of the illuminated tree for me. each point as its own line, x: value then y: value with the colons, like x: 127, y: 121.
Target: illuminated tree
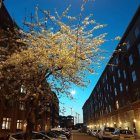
x: 55, y: 51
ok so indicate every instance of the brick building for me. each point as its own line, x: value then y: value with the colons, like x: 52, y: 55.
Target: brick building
x: 13, y: 114
x: 115, y: 100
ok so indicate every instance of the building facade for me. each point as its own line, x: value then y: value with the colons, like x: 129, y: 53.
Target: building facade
x: 66, y: 121
x: 115, y: 100
x: 13, y: 113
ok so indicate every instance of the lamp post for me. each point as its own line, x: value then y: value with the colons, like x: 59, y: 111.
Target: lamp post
x: 134, y: 126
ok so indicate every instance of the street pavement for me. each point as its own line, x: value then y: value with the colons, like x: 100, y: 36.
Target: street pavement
x: 81, y: 136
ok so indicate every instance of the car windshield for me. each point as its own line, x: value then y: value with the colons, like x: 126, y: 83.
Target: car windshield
x: 39, y: 136
x: 34, y: 136
x: 109, y: 129
x: 18, y: 136
x: 126, y: 132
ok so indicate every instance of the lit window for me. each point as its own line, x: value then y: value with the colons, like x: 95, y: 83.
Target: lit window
x: 130, y: 59
x: 115, y: 90
x: 23, y: 89
x: 121, y: 88
x: 128, y: 45
x: 19, y: 124
x: 139, y: 48
x: 134, y: 78
x: 6, y: 123
x: 124, y: 74
x: 117, y: 104
x: 137, y: 32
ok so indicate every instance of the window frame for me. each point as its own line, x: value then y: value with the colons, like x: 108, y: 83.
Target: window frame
x: 134, y: 77
x: 131, y: 59
x: 6, y: 123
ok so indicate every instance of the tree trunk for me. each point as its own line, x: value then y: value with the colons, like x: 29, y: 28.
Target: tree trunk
x: 29, y: 129
x: 30, y: 123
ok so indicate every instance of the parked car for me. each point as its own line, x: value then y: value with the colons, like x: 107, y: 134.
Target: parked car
x: 89, y: 131
x: 62, y: 131
x: 123, y: 134
x: 54, y: 135
x: 59, y: 134
x: 106, y: 133
x: 35, y: 136
x: 50, y: 134
x: 95, y: 132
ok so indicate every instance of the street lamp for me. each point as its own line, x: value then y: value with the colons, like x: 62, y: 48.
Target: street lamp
x: 134, y: 126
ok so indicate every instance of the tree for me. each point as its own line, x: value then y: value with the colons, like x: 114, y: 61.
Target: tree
x: 52, y: 52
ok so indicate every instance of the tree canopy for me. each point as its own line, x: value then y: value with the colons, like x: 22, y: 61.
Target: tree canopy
x: 59, y: 49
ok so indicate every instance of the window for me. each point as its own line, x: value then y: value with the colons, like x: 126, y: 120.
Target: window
x: 134, y: 78
x: 112, y: 67
x: 110, y: 89
x: 139, y: 48
x: 107, y: 86
x: 130, y: 59
x: 117, y: 61
x: 124, y: 74
x: 103, y: 79
x: 23, y: 89
x: 19, y: 124
x: 115, y: 90
x: 121, y: 87
x: 113, y: 79
x: 126, y: 87
x: 106, y: 76
x: 6, y: 123
x: 128, y: 45
x: 137, y: 32
x: 117, y: 104
x: 21, y: 106
x: 106, y: 110
x: 110, y: 108
x: 119, y: 75
x: 105, y: 100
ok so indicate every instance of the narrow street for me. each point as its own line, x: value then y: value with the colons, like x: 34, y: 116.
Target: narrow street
x: 81, y: 136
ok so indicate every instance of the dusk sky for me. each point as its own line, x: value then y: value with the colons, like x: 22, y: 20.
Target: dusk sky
x: 117, y: 14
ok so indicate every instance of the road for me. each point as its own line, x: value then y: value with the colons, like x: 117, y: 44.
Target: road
x: 81, y: 136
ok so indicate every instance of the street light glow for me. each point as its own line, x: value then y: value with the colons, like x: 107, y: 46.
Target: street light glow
x: 73, y: 92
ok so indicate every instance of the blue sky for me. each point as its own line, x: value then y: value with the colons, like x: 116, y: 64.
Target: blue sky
x: 117, y: 14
